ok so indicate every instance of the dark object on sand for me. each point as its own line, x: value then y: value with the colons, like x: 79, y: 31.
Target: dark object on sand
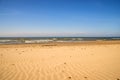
x: 118, y: 79
x: 69, y: 77
x: 85, y: 77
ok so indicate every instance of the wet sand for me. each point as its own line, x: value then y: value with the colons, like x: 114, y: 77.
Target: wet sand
x: 95, y: 60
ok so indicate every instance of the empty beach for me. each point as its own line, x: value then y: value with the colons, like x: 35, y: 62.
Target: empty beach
x: 93, y: 60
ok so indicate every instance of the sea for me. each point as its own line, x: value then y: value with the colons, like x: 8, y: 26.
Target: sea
x: 28, y: 40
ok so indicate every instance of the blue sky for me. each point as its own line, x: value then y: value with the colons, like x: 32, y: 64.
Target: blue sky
x: 59, y: 18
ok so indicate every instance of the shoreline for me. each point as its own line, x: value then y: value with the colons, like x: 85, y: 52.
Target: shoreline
x: 41, y: 40
x: 65, y: 43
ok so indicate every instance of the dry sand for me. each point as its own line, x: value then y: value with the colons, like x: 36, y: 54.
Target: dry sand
x: 61, y: 61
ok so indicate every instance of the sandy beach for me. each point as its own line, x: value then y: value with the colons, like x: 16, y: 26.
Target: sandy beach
x: 97, y: 60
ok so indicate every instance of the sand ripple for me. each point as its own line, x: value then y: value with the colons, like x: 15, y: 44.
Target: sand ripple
x: 60, y: 63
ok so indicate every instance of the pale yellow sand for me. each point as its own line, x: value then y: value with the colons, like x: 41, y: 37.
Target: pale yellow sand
x: 60, y: 62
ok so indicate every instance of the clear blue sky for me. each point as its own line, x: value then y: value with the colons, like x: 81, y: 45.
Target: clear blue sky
x: 59, y: 17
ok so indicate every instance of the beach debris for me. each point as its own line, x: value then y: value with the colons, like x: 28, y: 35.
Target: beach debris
x: 64, y: 62
x: 49, y: 45
x: 85, y: 77
x: 13, y: 64
x: 69, y: 77
x: 118, y: 79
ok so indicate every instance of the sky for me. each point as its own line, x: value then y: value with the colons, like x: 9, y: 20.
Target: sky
x: 82, y: 18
